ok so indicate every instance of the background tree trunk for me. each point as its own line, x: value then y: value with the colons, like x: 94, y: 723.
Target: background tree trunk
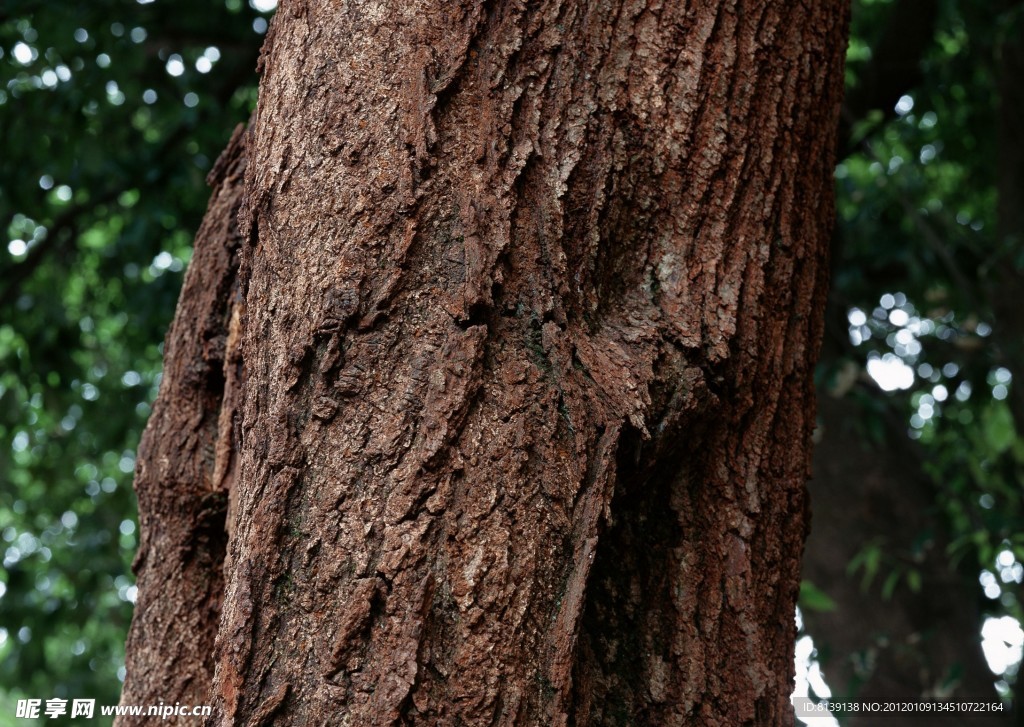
x: 532, y: 294
x: 911, y: 646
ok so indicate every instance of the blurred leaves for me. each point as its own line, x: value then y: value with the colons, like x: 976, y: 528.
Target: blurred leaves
x: 927, y: 262
x: 813, y: 598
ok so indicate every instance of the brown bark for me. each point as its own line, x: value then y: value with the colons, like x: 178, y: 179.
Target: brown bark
x: 184, y: 469
x: 534, y: 293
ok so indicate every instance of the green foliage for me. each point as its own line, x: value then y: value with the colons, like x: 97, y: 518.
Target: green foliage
x: 924, y: 261
x: 813, y: 598
x: 111, y: 114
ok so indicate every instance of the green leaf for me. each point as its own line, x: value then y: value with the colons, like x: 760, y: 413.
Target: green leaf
x: 813, y: 598
x: 889, y: 586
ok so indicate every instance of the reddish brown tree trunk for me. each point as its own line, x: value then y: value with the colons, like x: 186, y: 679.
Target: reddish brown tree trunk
x: 532, y: 293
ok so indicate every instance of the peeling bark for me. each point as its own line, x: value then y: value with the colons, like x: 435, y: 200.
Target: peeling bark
x: 534, y: 291
x: 186, y: 465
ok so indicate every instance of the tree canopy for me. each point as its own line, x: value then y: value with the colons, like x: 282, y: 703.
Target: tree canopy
x: 112, y: 113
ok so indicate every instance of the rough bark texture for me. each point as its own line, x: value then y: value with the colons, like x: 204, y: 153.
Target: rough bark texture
x: 186, y: 466
x: 533, y: 295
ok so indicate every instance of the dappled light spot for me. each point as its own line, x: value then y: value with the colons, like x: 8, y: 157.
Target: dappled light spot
x: 127, y: 462
x: 24, y: 53
x: 890, y: 373
x: 20, y: 441
x: 989, y: 584
x: 1002, y: 642
x: 114, y: 94
x: 898, y: 317
x: 165, y: 261
x: 175, y: 65
x: 809, y: 680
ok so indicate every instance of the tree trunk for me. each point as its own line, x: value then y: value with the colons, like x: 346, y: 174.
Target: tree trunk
x: 532, y: 295
x: 185, y: 462
x: 1008, y: 262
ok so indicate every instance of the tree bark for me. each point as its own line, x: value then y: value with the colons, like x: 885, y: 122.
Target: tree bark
x: 533, y: 294
x: 185, y: 466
